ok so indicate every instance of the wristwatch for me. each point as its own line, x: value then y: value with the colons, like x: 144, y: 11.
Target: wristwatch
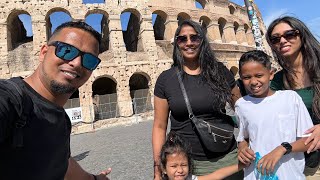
x: 287, y: 146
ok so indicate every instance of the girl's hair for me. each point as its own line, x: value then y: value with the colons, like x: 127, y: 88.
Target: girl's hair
x: 209, y: 65
x: 175, y: 145
x: 256, y: 56
x: 310, y: 49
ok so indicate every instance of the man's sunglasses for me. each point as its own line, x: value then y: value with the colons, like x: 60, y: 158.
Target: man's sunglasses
x: 194, y: 38
x: 288, y: 35
x: 68, y: 52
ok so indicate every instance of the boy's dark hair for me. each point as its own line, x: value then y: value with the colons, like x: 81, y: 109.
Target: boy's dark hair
x: 175, y: 144
x: 79, y: 25
x: 257, y: 56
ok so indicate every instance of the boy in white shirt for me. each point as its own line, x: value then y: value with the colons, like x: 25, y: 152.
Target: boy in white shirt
x: 271, y: 123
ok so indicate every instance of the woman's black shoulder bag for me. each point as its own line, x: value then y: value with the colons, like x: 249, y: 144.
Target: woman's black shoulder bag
x: 213, y: 136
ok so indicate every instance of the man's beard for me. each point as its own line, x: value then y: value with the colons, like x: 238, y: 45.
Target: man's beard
x: 61, y: 88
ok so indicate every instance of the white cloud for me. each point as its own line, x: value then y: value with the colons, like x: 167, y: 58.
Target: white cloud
x: 314, y: 25
x: 268, y: 18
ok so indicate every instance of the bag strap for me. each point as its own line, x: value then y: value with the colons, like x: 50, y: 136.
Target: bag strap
x: 20, y: 122
x: 184, y: 93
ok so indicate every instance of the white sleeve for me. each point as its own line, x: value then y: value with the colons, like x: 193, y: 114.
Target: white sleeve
x: 303, y: 119
x: 243, y: 125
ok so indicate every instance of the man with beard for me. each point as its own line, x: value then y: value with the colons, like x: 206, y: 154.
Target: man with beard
x: 36, y: 146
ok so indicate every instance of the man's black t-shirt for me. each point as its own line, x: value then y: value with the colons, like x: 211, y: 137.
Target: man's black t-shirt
x: 46, y: 139
x: 201, y: 98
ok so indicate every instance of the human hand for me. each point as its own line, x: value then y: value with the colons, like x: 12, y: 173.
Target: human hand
x: 103, y: 175
x: 315, y: 137
x: 268, y: 162
x: 246, y: 156
x: 157, y: 177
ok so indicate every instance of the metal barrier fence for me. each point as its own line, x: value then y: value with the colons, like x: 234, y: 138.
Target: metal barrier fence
x: 106, y: 106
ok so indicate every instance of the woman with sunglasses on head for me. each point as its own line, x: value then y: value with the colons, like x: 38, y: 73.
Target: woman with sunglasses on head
x: 209, y: 86
x: 298, y: 53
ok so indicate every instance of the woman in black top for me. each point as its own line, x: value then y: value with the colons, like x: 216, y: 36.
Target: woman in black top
x: 209, y: 85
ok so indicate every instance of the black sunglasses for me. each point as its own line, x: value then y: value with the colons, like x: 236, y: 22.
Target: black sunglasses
x: 288, y: 35
x: 194, y: 38
x: 68, y: 52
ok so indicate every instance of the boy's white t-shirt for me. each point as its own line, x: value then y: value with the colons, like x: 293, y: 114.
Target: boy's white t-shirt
x: 267, y: 122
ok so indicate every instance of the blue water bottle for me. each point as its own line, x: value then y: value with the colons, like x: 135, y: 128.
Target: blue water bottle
x: 258, y: 174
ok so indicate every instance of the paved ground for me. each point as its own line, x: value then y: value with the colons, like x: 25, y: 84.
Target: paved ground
x: 126, y: 149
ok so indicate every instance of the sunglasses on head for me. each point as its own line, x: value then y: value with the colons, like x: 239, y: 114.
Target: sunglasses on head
x: 194, y: 38
x: 288, y: 35
x: 68, y: 52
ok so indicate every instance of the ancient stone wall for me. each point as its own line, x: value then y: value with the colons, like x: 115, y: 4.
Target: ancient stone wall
x: 148, y: 54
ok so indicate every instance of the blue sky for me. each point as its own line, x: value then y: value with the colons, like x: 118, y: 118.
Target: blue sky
x: 307, y: 11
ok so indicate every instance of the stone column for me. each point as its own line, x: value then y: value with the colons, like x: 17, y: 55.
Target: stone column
x: 229, y: 34
x: 146, y: 38
x: 171, y: 26
x: 4, y: 68
x: 116, y: 42
x: 241, y: 36
x: 213, y: 32
x: 86, y: 103
x: 250, y: 38
x: 39, y: 38
x: 123, y: 94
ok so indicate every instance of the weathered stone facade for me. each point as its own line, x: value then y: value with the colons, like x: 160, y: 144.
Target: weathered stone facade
x: 141, y: 52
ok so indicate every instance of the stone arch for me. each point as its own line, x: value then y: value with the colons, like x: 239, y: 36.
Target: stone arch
x: 48, y: 20
x: 204, y: 21
x: 222, y: 23
x: 203, y: 3
x: 103, y: 27
x: 139, y: 92
x: 73, y: 101
x: 131, y: 34
x: 19, y: 45
x: 182, y: 16
x: 104, y: 98
x: 159, y: 24
x: 236, y: 28
x: 232, y: 9
x: 16, y: 32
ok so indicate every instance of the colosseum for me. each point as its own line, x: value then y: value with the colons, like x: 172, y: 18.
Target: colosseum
x: 120, y: 91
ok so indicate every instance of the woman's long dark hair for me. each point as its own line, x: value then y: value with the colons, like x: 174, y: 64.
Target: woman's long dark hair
x: 310, y: 49
x: 175, y: 145
x: 209, y: 65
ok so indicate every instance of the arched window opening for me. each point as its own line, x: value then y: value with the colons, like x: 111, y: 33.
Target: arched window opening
x: 199, y: 4
x: 222, y: 23
x: 19, y: 29
x: 181, y: 17
x: 139, y: 92
x: 235, y: 27
x: 204, y: 21
x: 100, y: 23
x: 231, y: 9
x: 105, y: 103
x: 54, y: 20
x: 19, y: 41
x: 130, y: 31
x: 158, y: 20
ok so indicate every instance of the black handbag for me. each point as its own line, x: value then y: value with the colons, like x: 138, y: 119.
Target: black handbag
x: 216, y: 137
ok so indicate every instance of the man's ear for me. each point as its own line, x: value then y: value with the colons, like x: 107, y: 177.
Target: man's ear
x: 43, y: 52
